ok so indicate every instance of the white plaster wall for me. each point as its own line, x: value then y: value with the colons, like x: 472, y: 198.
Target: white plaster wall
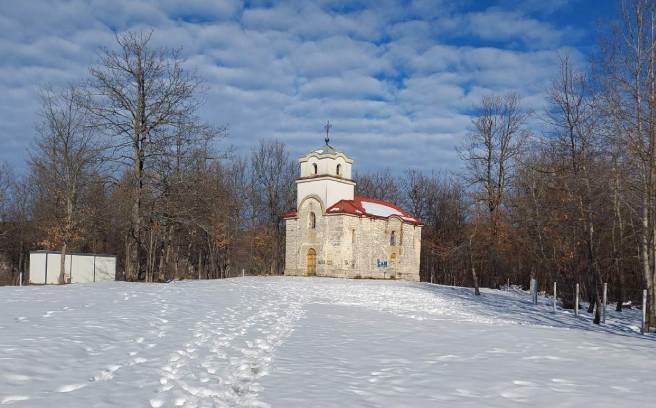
x: 329, y: 190
x: 326, y: 165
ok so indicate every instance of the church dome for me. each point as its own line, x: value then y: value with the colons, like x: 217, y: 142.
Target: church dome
x: 327, y: 149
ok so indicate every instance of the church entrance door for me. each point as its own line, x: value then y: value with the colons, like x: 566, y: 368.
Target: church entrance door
x: 311, y: 262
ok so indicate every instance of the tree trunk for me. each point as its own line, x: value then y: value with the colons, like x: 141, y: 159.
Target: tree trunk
x: 62, y: 265
x: 477, y: 291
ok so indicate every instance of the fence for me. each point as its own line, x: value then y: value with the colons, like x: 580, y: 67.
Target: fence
x: 604, y: 302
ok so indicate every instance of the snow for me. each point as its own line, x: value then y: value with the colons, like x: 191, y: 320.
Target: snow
x: 298, y: 342
x: 379, y: 210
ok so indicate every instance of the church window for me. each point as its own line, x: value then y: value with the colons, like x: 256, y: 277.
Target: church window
x: 393, y: 238
x: 339, y: 169
x: 313, y: 221
x: 314, y: 168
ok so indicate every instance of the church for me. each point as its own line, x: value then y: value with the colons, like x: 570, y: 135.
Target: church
x: 332, y: 232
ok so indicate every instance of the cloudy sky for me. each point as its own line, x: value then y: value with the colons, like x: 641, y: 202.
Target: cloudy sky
x: 397, y: 79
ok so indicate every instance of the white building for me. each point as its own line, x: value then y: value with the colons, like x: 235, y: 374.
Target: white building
x: 78, y: 268
x: 333, y: 232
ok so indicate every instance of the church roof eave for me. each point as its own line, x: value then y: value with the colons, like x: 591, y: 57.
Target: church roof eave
x: 372, y: 208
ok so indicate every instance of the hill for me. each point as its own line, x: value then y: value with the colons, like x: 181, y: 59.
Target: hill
x: 298, y: 342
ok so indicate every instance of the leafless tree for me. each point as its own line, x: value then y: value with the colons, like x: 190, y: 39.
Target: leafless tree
x: 490, y: 153
x: 273, y: 175
x: 62, y: 160
x: 382, y: 185
x: 629, y: 77
x: 144, y: 99
x: 5, y: 183
x: 571, y: 116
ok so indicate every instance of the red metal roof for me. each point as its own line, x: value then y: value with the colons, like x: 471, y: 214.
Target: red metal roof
x: 367, y: 207
x: 290, y: 214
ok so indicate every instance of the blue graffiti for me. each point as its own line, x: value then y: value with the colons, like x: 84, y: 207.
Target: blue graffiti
x: 381, y: 264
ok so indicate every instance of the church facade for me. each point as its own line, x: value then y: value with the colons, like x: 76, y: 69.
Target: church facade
x: 332, y: 232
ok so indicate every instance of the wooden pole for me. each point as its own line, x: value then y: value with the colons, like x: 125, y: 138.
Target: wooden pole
x: 576, y: 301
x: 534, y: 291
x: 555, y: 295
x: 643, y: 328
x: 603, y: 311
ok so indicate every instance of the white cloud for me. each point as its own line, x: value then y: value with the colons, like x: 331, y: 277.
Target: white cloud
x: 387, y: 74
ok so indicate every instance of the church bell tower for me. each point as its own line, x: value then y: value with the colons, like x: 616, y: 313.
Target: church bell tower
x: 325, y: 175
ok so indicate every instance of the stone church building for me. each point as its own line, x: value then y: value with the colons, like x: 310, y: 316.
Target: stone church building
x: 333, y: 232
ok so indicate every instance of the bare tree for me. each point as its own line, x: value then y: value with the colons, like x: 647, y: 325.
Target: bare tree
x: 382, y: 185
x: 5, y: 183
x: 144, y: 99
x: 571, y: 115
x: 62, y: 161
x: 629, y: 77
x: 490, y: 153
x: 273, y: 175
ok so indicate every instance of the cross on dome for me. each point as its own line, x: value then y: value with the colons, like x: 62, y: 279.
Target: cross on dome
x: 327, y: 126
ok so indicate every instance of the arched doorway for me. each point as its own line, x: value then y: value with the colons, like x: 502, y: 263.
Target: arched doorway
x: 311, y: 262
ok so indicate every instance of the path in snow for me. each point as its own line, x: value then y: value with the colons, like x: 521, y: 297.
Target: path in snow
x: 299, y: 342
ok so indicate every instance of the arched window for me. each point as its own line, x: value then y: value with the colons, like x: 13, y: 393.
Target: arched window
x: 314, y: 167
x: 313, y: 221
x: 393, y: 238
x: 339, y: 169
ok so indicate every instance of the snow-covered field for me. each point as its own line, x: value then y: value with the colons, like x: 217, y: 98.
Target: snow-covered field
x: 311, y: 342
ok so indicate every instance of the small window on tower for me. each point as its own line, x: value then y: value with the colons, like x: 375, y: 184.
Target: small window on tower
x: 314, y: 168
x: 393, y: 238
x: 339, y: 169
x: 313, y: 221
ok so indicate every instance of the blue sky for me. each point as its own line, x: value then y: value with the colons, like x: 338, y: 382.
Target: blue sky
x: 397, y: 79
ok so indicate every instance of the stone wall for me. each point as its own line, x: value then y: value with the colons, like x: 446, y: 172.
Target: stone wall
x: 352, y: 247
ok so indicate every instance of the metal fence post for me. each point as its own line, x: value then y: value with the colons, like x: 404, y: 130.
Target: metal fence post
x: 643, y: 328
x: 603, y: 311
x: 242, y: 272
x: 20, y: 279
x: 576, y: 301
x: 555, y: 295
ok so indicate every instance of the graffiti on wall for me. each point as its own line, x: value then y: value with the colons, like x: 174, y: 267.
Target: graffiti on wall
x: 381, y: 263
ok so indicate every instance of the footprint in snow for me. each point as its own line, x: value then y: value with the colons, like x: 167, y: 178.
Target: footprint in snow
x: 156, y: 403
x: 106, y: 374
x: 70, y: 387
x: 10, y: 399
